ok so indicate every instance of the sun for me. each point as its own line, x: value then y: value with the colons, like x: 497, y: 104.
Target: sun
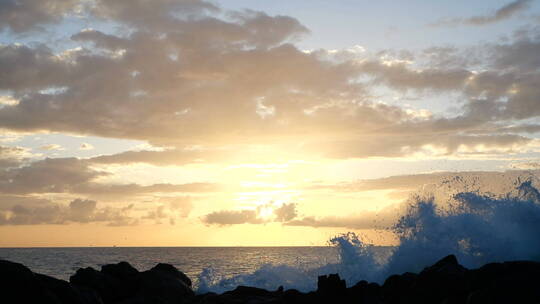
x: 265, y: 212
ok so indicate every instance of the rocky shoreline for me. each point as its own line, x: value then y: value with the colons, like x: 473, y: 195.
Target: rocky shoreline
x: 444, y: 282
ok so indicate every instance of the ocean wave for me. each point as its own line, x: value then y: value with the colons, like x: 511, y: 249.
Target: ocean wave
x: 476, y: 225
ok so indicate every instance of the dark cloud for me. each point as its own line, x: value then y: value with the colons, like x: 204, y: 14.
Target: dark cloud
x: 154, y: 14
x: 232, y: 217
x: 30, y: 69
x: 402, y: 77
x: 126, y: 190
x: 285, y: 213
x: 169, y: 157
x: 47, y: 176
x: 187, y: 74
x: 505, y: 12
x: 24, y: 15
x: 72, y: 175
x: 493, y: 182
x: 366, y: 220
x: 12, y: 156
x: 78, y: 211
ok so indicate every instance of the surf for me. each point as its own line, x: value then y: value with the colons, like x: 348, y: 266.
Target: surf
x: 475, y: 224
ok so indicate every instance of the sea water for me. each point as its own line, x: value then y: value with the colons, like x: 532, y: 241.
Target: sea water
x: 225, y: 262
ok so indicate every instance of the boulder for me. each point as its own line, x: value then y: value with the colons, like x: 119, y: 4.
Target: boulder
x: 122, y: 270
x: 508, y: 282
x: 20, y: 285
x: 159, y: 286
x: 331, y: 284
x: 397, y: 287
x: 122, y: 283
x: 171, y: 270
x: 438, y: 282
x: 90, y: 279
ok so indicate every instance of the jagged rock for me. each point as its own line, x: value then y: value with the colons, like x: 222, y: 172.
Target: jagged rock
x: 445, y: 282
x: 508, y: 282
x: 440, y: 282
x: 331, y: 284
x: 65, y: 292
x: 162, y: 287
x: 171, y: 270
x: 122, y: 283
x: 122, y: 270
x: 104, y: 285
x: 20, y: 285
x: 396, y: 287
x: 446, y: 266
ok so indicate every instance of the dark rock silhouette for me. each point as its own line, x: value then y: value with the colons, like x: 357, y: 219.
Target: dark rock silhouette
x: 444, y: 282
x: 122, y: 283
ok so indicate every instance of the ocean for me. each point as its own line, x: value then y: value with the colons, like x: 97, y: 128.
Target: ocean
x: 225, y: 261
x: 222, y: 262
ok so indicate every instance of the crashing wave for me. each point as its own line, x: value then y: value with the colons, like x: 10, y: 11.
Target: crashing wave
x: 479, y: 225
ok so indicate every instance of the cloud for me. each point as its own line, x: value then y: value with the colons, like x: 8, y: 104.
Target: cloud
x: 12, y: 156
x: 181, y: 205
x: 52, y: 147
x: 443, y: 183
x: 260, y: 215
x: 127, y: 190
x: 86, y: 146
x: 46, y: 176
x: 72, y: 175
x: 232, y: 217
x: 285, y: 213
x: 366, y: 220
x: 78, y: 211
x: 8, y: 100
x: 175, y: 208
x: 505, y: 12
x: 25, y: 15
x: 525, y: 165
x: 169, y: 157
x: 187, y: 73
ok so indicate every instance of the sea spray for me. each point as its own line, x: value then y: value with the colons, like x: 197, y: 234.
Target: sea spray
x: 477, y: 227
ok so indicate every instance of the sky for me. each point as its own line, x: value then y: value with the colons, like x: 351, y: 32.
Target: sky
x: 253, y: 123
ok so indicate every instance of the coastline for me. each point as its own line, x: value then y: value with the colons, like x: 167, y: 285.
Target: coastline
x: 443, y: 282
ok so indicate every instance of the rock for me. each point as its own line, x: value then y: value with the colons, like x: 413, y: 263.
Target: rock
x: 443, y: 280
x: 20, y: 285
x: 508, y: 282
x: 171, y: 270
x: 159, y: 286
x: 64, y: 292
x: 447, y: 266
x: 331, y: 285
x: 90, y: 279
x: 122, y: 270
x: 245, y: 291
x: 242, y: 294
x: 396, y: 287
x: 122, y: 283
x: 292, y: 296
